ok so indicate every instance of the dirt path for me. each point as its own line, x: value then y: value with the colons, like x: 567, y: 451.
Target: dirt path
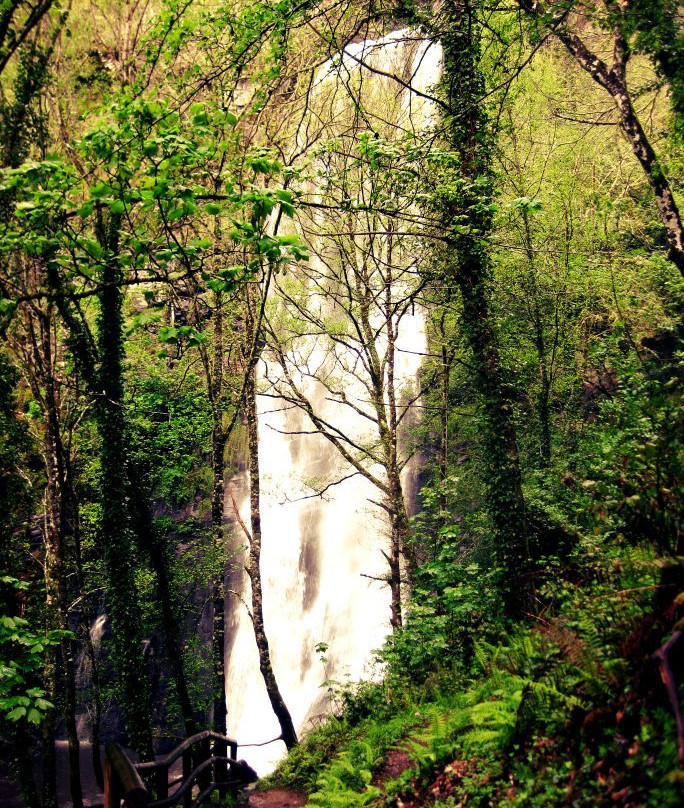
x: 276, y: 798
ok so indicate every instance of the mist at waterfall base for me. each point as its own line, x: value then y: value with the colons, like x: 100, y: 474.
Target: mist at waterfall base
x: 321, y: 556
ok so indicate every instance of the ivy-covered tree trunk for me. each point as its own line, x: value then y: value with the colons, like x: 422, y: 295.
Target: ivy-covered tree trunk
x: 160, y: 559
x: 465, y: 207
x: 137, y: 516
x: 115, y: 527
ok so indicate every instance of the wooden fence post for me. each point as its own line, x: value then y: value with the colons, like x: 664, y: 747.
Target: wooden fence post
x: 187, y: 770
x: 221, y: 766
x: 122, y: 781
x: 112, y: 798
x: 162, y: 783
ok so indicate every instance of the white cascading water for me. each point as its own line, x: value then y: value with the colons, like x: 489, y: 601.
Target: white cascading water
x: 84, y: 672
x: 319, y: 556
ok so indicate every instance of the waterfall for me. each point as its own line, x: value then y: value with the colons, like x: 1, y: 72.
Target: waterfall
x: 321, y: 556
x: 84, y: 672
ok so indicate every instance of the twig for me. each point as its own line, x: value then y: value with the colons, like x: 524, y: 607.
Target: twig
x: 663, y: 657
x: 236, y: 511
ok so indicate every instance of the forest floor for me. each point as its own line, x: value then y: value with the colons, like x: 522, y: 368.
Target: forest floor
x: 277, y: 798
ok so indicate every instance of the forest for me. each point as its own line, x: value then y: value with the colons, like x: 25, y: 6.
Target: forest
x: 341, y: 373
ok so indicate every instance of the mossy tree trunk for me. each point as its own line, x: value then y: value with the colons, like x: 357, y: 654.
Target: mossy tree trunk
x: 116, y: 532
x: 464, y: 205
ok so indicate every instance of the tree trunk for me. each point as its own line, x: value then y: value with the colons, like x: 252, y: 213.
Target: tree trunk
x: 613, y: 81
x: 87, y: 617
x: 534, y: 309
x: 116, y: 533
x: 158, y: 552
x: 59, y: 506
x: 288, y: 733
x: 49, y: 784
x: 399, y: 534
x: 97, y: 707
x: 467, y: 265
x: 24, y: 766
x: 218, y: 445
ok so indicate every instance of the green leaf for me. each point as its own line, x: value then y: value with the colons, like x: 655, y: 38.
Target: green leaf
x: 86, y: 209
x: 99, y: 190
x: 286, y: 240
x: 168, y: 334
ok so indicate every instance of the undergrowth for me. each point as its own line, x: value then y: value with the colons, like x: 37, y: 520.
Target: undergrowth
x: 567, y: 710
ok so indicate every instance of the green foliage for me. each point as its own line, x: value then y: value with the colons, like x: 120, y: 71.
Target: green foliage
x: 172, y: 436
x: 453, y: 602
x: 632, y: 458
x: 584, y: 311
x: 15, y: 446
x: 515, y: 731
x: 22, y: 653
x: 303, y: 764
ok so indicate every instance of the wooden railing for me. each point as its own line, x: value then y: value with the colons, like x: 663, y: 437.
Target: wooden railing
x: 207, y: 767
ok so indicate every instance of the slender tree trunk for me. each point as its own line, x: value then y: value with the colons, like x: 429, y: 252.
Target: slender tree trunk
x: 383, y: 399
x: 49, y: 784
x: 56, y: 605
x: 58, y: 517
x: 218, y: 447
x: 399, y: 535
x: 443, y: 375
x: 544, y: 409
x: 613, y: 81
x: 87, y: 617
x: 288, y: 733
x: 218, y: 597
x: 534, y: 309
x: 444, y: 425
x: 65, y: 504
x: 52, y: 574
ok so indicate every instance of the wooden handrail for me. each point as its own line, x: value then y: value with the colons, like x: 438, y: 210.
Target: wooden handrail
x: 123, y: 777
x: 191, y: 779
x: 173, y: 756
x: 122, y: 781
